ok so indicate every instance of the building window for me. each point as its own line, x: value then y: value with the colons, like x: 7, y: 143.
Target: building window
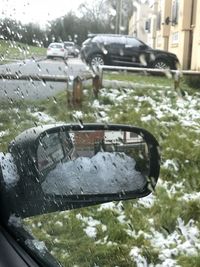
x: 159, y: 40
x: 148, y: 25
x: 175, y: 11
x: 175, y: 38
x: 159, y: 21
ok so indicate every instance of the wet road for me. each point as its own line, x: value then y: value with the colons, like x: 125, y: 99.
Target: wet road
x: 15, y: 89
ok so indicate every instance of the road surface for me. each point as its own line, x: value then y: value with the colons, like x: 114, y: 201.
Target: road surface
x: 15, y: 89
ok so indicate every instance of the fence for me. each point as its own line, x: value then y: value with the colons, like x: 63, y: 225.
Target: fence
x: 74, y: 91
x: 175, y: 74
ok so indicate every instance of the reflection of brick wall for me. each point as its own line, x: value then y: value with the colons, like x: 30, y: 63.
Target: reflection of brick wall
x: 83, y: 139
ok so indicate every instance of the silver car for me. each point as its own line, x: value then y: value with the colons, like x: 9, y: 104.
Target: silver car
x: 72, y: 49
x: 57, y: 50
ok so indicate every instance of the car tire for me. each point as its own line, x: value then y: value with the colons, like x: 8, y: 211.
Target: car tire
x: 161, y: 64
x: 96, y: 60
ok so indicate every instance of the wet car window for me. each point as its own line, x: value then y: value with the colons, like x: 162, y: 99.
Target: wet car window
x: 55, y: 46
x: 133, y: 42
x: 161, y: 229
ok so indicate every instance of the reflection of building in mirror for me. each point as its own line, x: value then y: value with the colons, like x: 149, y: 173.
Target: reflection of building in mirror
x: 84, y: 142
x: 88, y: 143
x: 104, y: 173
x: 53, y: 148
x: 122, y: 136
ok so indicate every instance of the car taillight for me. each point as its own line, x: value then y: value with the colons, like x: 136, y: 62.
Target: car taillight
x: 62, y: 49
x: 49, y: 48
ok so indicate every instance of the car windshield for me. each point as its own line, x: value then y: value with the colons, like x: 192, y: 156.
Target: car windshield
x: 69, y: 44
x: 56, y: 46
x: 109, y: 79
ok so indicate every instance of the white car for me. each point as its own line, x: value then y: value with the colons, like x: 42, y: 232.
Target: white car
x: 57, y: 50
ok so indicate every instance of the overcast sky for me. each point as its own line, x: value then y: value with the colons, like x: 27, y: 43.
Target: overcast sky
x: 38, y: 11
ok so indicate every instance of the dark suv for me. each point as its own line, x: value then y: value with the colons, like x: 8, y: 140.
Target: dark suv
x: 112, y: 49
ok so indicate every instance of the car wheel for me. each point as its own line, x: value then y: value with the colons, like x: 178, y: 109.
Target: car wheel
x: 161, y: 64
x: 96, y: 60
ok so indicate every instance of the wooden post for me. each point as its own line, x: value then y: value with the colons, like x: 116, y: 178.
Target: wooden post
x: 96, y: 85
x: 69, y: 94
x: 177, y: 81
x: 77, y: 94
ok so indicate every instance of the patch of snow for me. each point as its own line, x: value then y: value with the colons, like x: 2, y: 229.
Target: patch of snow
x: 15, y: 221
x: 121, y: 218
x: 136, y: 256
x: 58, y: 223
x: 147, y: 201
x: 3, y: 133
x: 78, y: 115
x: 35, y: 244
x: 192, y: 196
x: 168, y: 263
x: 171, y: 164
x: 43, y: 117
x: 107, y: 206
x: 102, y: 241
x: 174, y: 244
x: 104, y: 228
x: 88, y: 220
x: 96, y: 104
x: 147, y: 118
x: 90, y: 231
x: 91, y: 223
x: 9, y: 170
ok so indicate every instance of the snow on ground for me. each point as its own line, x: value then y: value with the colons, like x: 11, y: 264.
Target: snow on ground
x: 89, y: 224
x: 185, y: 240
x: 3, y: 133
x: 9, y: 170
x: 43, y: 117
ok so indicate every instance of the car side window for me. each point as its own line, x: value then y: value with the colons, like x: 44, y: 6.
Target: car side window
x: 98, y: 39
x: 132, y: 42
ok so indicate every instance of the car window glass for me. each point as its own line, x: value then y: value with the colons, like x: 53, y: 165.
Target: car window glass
x: 69, y: 44
x: 40, y: 86
x: 133, y: 42
x: 56, y: 46
x: 98, y: 39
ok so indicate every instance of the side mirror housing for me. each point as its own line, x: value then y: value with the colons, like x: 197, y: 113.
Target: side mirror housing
x: 64, y: 167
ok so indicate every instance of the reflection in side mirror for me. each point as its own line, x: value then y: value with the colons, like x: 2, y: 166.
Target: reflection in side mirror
x: 66, y: 166
x: 93, y: 162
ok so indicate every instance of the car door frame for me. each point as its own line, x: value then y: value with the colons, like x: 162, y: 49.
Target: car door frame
x: 134, y: 51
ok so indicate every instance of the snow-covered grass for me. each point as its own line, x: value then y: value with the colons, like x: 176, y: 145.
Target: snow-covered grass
x: 162, y: 229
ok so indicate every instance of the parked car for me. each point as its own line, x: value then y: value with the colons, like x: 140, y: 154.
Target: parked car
x: 57, y: 50
x: 110, y: 49
x: 72, y: 49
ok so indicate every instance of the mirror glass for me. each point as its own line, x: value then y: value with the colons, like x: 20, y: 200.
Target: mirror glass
x: 92, y: 162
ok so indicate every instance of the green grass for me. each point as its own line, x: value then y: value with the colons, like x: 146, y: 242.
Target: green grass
x: 14, y: 118
x: 185, y: 261
x: 64, y: 233
x: 10, y: 50
x: 138, y: 78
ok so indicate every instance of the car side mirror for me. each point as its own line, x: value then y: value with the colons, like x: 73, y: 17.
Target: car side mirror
x: 68, y: 166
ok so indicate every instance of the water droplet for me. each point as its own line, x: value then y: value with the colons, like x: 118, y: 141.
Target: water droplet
x: 54, y: 100
x: 39, y: 68
x: 81, y: 190
x: 81, y: 123
x: 44, y: 82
